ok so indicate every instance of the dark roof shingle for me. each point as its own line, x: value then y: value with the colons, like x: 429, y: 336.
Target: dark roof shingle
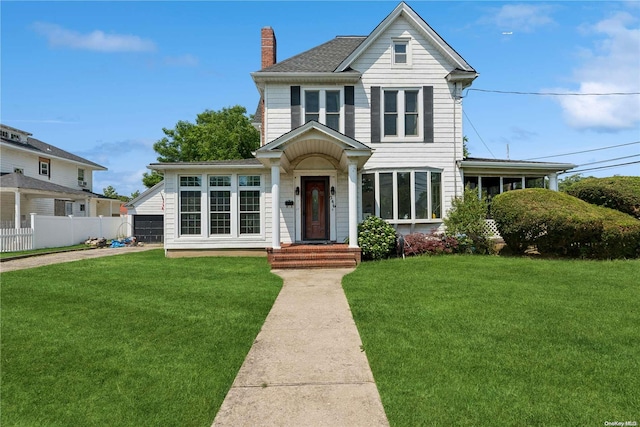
x: 324, y: 58
x: 47, y: 150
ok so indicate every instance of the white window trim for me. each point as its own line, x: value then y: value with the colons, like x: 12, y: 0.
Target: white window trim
x: 211, y: 188
x: 413, y: 219
x: 407, y: 42
x: 203, y: 200
x: 261, y: 210
x: 323, y: 104
x: 401, y: 113
x: 47, y: 164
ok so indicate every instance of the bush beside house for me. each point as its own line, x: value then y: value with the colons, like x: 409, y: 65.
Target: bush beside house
x: 617, y: 192
x: 376, y: 238
x: 563, y: 225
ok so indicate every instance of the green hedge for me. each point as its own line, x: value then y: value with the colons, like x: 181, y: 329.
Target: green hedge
x: 621, y: 193
x: 560, y: 224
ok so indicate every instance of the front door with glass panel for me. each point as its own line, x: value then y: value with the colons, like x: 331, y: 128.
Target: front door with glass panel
x: 315, y: 213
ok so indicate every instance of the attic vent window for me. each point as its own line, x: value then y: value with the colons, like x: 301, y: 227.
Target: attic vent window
x: 401, y: 53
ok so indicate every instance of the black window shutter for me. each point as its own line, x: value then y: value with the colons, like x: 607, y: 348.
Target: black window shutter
x: 375, y: 113
x: 296, y: 108
x: 427, y: 93
x: 349, y: 111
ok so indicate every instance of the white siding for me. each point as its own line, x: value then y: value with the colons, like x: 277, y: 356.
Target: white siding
x: 151, y: 204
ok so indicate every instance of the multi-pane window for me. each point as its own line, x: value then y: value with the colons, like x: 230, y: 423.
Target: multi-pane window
x: 220, y: 205
x: 190, y: 205
x: 323, y: 106
x: 401, y: 110
x: 45, y: 166
x: 80, y: 174
x: 402, y: 195
x: 249, y: 204
x: 400, y: 52
x: 411, y: 112
x: 311, y: 105
x: 390, y: 112
x: 332, y: 114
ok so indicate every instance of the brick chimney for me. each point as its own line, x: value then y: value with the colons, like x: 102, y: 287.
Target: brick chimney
x: 268, y: 47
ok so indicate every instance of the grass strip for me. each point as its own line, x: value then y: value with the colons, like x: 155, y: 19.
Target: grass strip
x: 128, y: 340
x: 474, y: 340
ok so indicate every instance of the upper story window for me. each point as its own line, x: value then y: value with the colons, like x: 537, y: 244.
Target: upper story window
x: 45, y: 166
x: 401, y: 113
x: 80, y: 174
x: 323, y: 106
x: 401, y: 54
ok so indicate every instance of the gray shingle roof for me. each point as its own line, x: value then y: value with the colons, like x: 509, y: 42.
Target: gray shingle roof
x: 236, y: 162
x: 323, y: 58
x: 20, y: 181
x: 48, y: 150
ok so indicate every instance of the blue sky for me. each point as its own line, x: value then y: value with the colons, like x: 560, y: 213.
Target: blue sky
x: 101, y: 79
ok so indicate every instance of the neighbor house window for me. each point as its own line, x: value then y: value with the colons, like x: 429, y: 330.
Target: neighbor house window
x: 82, y: 207
x: 45, y: 166
x: 80, y: 174
x: 190, y: 205
x: 323, y: 106
x: 404, y: 196
x: 220, y: 204
x: 401, y: 109
x: 249, y: 192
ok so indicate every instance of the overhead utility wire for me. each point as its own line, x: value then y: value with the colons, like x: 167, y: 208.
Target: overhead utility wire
x: 552, y: 93
x: 476, y: 131
x: 609, y: 160
x: 586, y: 151
x: 601, y: 167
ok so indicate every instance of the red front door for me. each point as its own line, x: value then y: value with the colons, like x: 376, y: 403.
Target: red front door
x: 315, y: 208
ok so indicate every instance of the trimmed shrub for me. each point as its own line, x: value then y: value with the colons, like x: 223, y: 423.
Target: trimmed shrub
x: 430, y: 244
x: 560, y: 224
x: 621, y: 193
x: 466, y: 221
x: 376, y: 238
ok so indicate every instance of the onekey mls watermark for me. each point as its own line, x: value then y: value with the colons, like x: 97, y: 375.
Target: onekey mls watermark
x: 621, y: 423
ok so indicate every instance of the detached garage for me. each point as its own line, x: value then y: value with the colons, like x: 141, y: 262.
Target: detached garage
x: 147, y: 213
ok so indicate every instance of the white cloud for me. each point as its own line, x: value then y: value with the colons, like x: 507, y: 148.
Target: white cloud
x: 186, y: 60
x: 96, y: 40
x: 520, y: 17
x: 611, y: 66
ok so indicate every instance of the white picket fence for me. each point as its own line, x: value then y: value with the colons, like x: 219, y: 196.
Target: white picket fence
x: 57, y: 231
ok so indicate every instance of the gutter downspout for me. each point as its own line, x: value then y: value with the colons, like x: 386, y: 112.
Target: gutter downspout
x: 455, y: 142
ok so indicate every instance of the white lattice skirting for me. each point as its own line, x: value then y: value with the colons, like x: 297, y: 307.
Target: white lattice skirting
x: 491, y: 229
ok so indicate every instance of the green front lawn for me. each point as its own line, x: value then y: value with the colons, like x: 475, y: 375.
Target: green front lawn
x: 473, y: 340
x: 44, y: 251
x: 128, y: 340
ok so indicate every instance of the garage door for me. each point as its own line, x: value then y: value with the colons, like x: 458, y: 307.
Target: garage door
x: 149, y: 228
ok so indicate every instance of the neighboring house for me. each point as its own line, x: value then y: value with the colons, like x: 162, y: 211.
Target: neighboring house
x: 147, y: 215
x: 37, y: 177
x: 357, y: 126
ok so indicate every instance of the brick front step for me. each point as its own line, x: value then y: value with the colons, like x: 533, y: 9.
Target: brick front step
x: 314, y: 256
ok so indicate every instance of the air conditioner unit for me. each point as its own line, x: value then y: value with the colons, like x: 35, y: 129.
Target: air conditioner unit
x: 82, y: 183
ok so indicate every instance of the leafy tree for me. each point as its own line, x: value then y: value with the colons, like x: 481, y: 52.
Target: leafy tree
x: 111, y: 193
x: 216, y: 135
x: 569, y: 180
x: 465, y: 147
x: 149, y: 179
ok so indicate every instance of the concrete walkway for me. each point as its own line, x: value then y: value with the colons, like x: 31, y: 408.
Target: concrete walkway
x: 57, y: 258
x: 306, y: 367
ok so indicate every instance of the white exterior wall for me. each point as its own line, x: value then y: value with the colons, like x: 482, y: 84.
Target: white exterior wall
x: 62, y: 172
x: 172, y: 239
x: 152, y: 204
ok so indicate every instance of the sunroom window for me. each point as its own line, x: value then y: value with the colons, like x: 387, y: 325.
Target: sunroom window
x: 402, y: 196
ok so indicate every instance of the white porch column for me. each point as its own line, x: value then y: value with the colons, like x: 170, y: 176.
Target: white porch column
x: 553, y: 181
x: 87, y: 207
x: 353, y: 204
x: 275, y: 203
x: 16, y: 217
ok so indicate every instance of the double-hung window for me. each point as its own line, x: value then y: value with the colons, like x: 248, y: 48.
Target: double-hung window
x: 249, y: 189
x: 220, y: 204
x: 324, y: 106
x: 401, y: 113
x: 402, y: 196
x: 401, y: 54
x: 190, y: 205
x: 45, y: 166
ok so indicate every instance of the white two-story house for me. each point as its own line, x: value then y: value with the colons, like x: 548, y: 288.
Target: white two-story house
x: 36, y: 177
x: 357, y: 126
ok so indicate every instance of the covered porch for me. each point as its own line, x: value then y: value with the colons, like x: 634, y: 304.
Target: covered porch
x: 314, y: 191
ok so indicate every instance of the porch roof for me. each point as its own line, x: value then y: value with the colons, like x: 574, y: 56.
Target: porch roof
x: 503, y: 166
x: 28, y: 185
x: 314, y: 138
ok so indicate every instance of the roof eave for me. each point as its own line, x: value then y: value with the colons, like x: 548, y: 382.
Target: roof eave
x: 89, y: 163
x: 192, y: 166
x: 515, y: 165
x: 262, y: 77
